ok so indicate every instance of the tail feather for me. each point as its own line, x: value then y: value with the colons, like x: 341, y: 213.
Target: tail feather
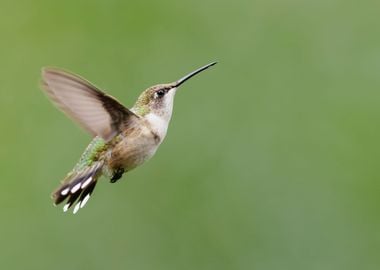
x: 78, y: 185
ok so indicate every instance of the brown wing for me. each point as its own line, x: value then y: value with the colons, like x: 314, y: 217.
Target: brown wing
x: 98, y: 113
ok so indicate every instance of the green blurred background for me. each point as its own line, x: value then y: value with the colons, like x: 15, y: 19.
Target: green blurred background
x: 271, y: 159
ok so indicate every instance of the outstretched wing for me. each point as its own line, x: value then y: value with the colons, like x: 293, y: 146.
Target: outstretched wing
x: 96, y: 112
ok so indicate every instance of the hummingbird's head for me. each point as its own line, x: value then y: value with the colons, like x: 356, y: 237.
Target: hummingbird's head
x: 158, y: 99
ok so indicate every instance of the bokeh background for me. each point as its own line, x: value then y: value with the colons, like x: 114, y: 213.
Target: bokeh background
x: 272, y: 156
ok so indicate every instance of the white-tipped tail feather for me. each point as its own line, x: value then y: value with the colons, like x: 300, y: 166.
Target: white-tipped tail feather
x: 67, y: 205
x: 85, y: 200
x: 76, y: 208
x: 77, y: 187
x: 65, y: 191
x: 85, y: 183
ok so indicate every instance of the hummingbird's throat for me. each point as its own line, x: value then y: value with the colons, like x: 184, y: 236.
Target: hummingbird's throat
x: 158, y: 125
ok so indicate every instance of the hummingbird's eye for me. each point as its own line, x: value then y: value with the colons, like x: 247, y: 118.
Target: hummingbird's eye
x: 160, y: 93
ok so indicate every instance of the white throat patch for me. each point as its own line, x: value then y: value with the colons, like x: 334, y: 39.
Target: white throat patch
x: 158, y: 124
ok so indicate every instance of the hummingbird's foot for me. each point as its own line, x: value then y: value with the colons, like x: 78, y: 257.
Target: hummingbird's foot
x: 118, y: 173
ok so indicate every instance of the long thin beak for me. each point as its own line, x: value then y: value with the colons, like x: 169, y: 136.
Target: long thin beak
x: 195, y: 72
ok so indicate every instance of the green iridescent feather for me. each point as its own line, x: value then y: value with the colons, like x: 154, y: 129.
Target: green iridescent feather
x: 90, y: 154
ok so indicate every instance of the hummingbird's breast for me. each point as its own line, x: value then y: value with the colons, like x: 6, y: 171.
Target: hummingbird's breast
x: 133, y: 147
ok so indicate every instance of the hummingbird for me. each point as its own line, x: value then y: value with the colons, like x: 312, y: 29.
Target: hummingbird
x: 122, y: 138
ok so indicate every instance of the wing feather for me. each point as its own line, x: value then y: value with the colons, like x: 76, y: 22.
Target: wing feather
x: 96, y: 112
